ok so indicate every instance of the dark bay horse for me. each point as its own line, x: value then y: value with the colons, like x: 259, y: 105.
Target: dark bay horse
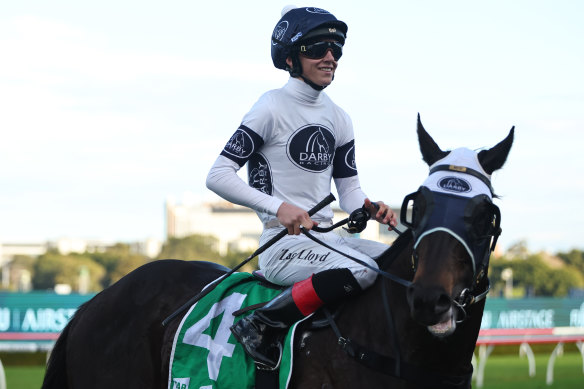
x: 416, y: 327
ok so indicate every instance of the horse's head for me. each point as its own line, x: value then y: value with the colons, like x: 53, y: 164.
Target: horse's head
x: 455, y: 226
x: 317, y: 143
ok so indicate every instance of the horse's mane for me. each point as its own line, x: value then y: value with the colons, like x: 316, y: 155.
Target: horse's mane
x: 388, y: 257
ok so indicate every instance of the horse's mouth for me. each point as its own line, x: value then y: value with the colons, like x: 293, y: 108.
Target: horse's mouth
x: 445, y: 327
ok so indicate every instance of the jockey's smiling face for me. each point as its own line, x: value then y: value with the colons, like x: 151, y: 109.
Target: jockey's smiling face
x: 321, y: 70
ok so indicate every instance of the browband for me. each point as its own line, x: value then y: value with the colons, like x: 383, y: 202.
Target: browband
x: 466, y: 170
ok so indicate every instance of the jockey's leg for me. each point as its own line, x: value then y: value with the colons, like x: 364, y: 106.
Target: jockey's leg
x: 260, y: 333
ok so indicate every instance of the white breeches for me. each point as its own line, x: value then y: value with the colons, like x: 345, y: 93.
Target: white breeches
x: 296, y: 257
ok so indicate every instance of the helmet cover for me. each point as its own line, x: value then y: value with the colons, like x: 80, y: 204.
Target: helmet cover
x: 296, y: 26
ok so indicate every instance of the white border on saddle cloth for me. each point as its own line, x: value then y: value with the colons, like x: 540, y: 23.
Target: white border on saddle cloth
x: 458, y: 183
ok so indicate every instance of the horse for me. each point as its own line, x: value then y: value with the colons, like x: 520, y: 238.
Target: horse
x: 416, y: 327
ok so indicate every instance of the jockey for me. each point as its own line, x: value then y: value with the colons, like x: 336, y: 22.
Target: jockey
x: 295, y: 141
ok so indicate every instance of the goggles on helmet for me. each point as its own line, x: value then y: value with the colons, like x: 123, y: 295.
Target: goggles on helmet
x: 319, y: 49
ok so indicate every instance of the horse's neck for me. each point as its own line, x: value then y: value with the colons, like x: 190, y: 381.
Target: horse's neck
x: 365, y: 320
x: 415, y: 343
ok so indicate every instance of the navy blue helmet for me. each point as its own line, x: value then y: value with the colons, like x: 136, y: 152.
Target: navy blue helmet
x: 304, y: 25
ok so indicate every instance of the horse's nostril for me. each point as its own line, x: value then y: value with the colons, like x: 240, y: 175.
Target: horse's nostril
x: 432, y: 300
x: 442, y: 304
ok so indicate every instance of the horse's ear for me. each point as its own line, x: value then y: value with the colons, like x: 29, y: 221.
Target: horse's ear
x: 431, y: 152
x: 494, y: 158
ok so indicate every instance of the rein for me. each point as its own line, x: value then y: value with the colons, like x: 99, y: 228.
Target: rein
x: 464, y: 299
x: 357, y: 222
x: 378, y: 271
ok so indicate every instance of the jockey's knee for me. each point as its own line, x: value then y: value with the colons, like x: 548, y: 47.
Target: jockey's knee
x: 365, y: 276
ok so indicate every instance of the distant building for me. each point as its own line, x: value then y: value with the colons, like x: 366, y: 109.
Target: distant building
x: 9, y: 250
x: 16, y: 276
x: 235, y: 227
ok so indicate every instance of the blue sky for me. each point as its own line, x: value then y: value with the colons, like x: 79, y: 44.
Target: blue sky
x: 108, y: 108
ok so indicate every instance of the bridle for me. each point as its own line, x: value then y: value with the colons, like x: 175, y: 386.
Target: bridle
x: 421, y: 225
x: 485, y: 240
x: 474, y: 221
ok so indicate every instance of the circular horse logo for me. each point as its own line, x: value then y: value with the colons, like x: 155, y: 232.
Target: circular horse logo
x: 454, y: 184
x: 311, y: 148
x: 350, y: 158
x: 315, y: 10
x: 259, y: 173
x: 240, y: 145
x: 279, y: 31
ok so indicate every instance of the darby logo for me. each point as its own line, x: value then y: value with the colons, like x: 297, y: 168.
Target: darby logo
x: 240, y: 145
x: 314, y: 10
x: 350, y: 158
x: 311, y: 148
x: 454, y: 184
x: 260, y: 175
x: 279, y: 31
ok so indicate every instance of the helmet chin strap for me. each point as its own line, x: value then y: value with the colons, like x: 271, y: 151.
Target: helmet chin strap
x: 296, y: 71
x: 312, y: 84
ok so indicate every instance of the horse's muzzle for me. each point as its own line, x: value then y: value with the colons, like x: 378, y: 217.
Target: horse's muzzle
x: 432, y: 307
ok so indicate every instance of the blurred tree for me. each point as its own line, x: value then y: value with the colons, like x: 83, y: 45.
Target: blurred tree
x: 574, y: 258
x: 234, y: 258
x: 23, y: 261
x: 204, y: 248
x: 118, y: 261
x: 46, y: 269
x: 192, y: 247
x: 518, y: 250
x: 533, y: 275
x: 126, y: 265
x: 53, y: 268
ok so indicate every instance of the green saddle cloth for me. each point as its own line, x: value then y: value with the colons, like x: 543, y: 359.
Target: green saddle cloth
x: 205, y: 355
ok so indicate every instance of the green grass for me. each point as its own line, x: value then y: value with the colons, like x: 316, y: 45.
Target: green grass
x: 512, y: 372
x: 24, y: 377
x: 502, y: 372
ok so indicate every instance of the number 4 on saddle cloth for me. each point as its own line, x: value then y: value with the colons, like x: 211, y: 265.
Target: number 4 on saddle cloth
x: 205, y: 355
